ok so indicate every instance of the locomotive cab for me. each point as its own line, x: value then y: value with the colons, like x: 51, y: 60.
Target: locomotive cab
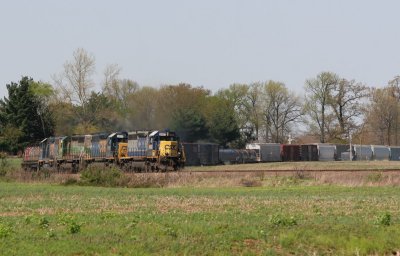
x: 165, y: 150
x: 117, y: 145
x: 164, y: 144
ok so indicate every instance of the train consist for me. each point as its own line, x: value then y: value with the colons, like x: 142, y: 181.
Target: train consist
x: 210, y: 154
x: 147, y: 151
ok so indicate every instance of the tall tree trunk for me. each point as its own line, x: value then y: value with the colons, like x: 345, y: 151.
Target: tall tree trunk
x: 322, y: 123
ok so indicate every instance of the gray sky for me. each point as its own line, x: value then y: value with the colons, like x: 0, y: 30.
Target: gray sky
x: 210, y: 43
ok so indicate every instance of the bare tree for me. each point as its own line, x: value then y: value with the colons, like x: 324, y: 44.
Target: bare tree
x: 111, y: 83
x: 118, y: 90
x: 394, y: 84
x: 346, y: 102
x: 77, y: 73
x: 281, y: 109
x: 383, y: 111
x: 74, y: 84
x: 318, y: 95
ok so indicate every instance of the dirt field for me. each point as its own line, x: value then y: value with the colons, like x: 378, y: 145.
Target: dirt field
x: 299, y: 166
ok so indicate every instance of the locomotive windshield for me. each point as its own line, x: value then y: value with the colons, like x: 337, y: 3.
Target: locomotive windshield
x: 168, y: 138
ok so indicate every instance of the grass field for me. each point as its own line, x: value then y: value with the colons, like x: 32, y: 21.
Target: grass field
x: 46, y: 219
x: 206, y: 213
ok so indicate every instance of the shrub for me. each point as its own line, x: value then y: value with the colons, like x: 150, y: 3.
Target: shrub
x: 65, y: 219
x: 5, y: 230
x: 50, y: 233
x: 101, y: 176
x: 374, y: 177
x: 383, y: 219
x: 44, y: 222
x: 4, y: 164
x: 71, y: 224
x: 74, y: 227
x: 279, y: 220
x: 251, y: 183
x: 69, y: 181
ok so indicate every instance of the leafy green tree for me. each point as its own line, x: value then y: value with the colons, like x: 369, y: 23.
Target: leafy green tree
x: 26, y: 112
x: 65, y: 117
x: 141, y: 110
x: 190, y: 124
x: 42, y: 93
x: 221, y: 122
x: 237, y: 96
x: 180, y: 108
x: 105, y: 114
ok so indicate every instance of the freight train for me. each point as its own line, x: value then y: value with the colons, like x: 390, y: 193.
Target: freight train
x: 211, y: 154
x: 147, y: 151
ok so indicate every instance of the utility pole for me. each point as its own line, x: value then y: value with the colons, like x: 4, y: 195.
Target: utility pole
x: 351, y: 150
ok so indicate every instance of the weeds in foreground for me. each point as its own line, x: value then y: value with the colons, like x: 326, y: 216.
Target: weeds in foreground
x: 44, y: 223
x: 251, y: 183
x: 374, y: 177
x: 4, y: 164
x: 5, y: 230
x: 100, y: 176
x: 279, y: 220
x: 383, y: 219
x: 74, y: 227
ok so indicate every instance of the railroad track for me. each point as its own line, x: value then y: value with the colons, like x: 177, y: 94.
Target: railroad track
x: 291, y: 171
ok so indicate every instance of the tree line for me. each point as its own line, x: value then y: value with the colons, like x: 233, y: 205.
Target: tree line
x: 331, y: 109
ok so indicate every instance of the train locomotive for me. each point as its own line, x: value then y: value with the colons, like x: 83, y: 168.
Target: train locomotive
x: 140, y: 151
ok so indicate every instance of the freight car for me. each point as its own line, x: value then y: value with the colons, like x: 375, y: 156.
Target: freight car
x: 326, y: 152
x: 271, y: 152
x: 380, y: 152
x: 394, y: 153
x: 201, y: 154
x: 309, y: 152
x: 135, y: 151
x: 290, y: 153
x: 237, y: 156
x: 266, y: 152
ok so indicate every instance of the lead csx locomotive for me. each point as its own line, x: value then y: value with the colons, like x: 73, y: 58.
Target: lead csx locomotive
x: 132, y: 151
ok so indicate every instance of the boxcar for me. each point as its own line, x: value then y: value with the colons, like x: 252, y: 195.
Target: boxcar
x: 394, y: 153
x: 326, y: 152
x: 309, y: 152
x: 290, y: 152
x: 266, y: 152
x: 201, y: 153
x: 209, y: 153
